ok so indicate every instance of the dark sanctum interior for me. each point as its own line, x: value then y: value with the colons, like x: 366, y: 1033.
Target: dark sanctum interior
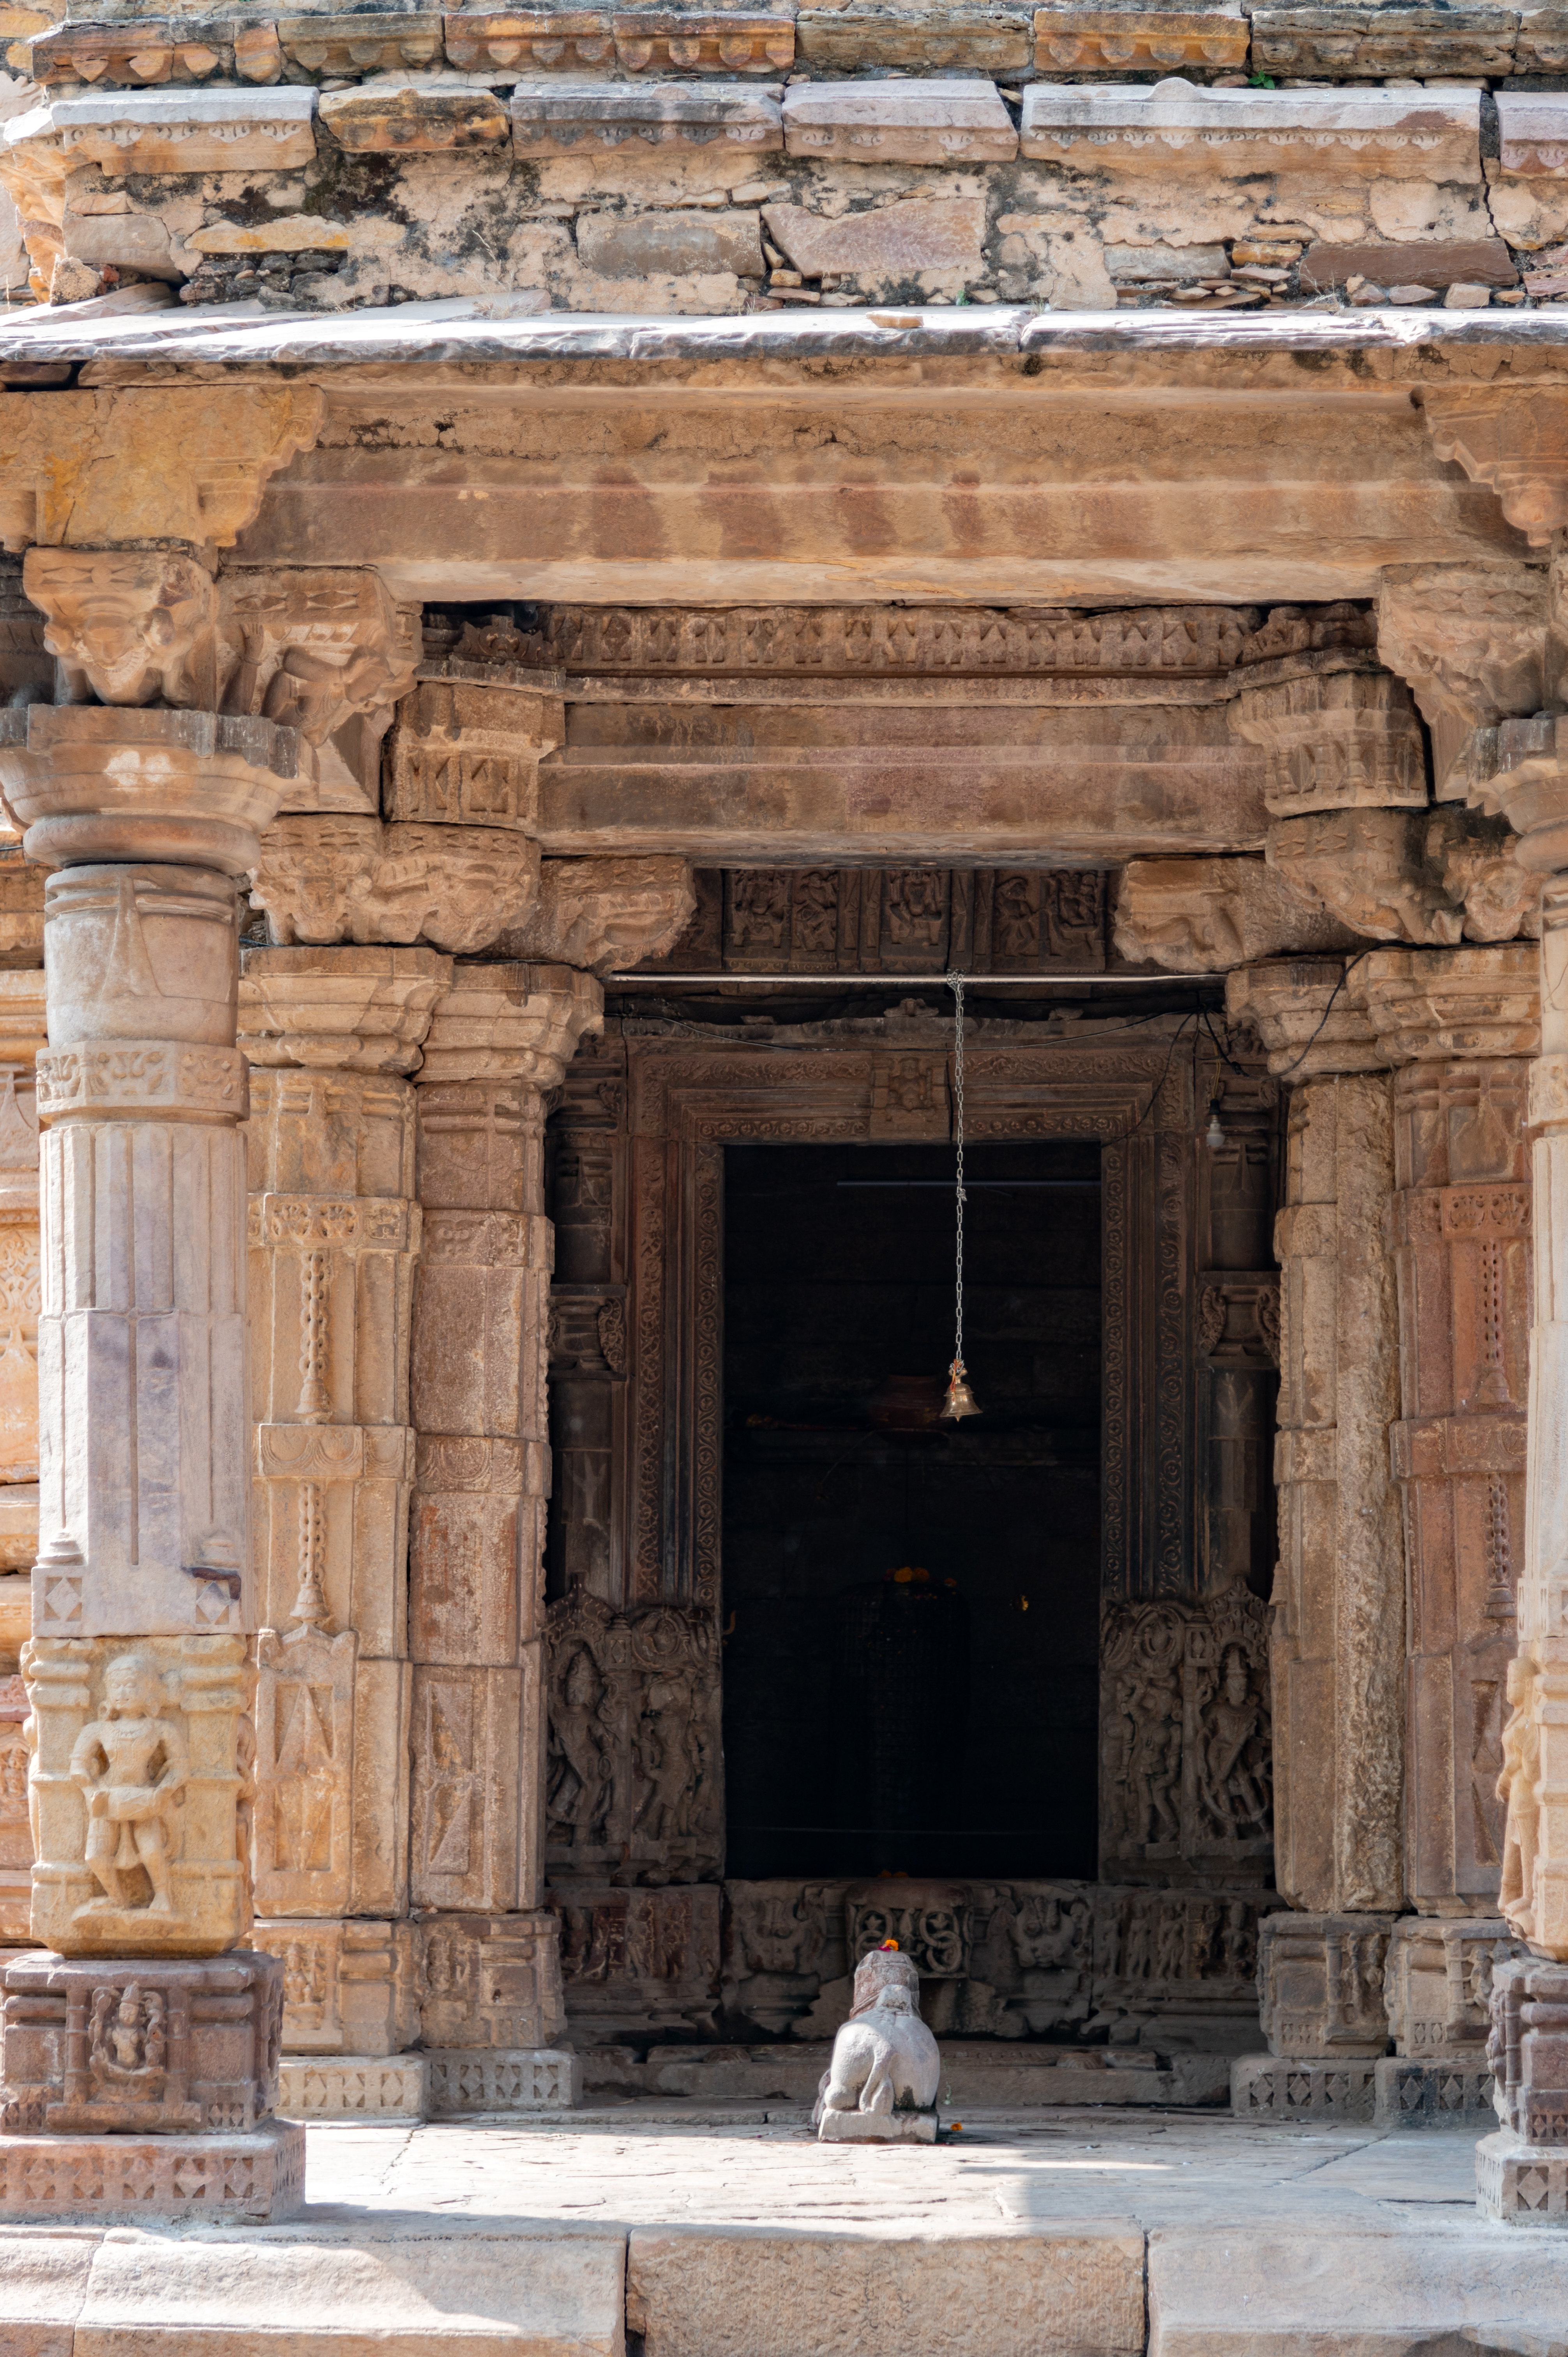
x: 912, y: 1607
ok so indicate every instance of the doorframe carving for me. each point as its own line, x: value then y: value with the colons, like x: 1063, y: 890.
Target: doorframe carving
x: 688, y: 1101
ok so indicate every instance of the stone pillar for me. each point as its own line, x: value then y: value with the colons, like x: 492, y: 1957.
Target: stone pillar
x: 1522, y: 2170
x: 331, y: 1035
x: 489, y: 1976
x: 140, y: 1669
x: 1338, y: 1644
x: 1458, y: 1026
x: 22, y: 1034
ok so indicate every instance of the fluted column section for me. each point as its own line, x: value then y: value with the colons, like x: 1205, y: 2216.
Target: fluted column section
x: 143, y: 1606
x: 22, y: 1034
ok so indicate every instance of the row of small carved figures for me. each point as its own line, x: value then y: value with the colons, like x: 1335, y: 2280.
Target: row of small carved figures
x: 1158, y: 1936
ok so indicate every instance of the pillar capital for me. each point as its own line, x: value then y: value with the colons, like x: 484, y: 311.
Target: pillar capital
x: 1427, y: 1006
x: 326, y: 879
x: 1520, y: 773
x: 1334, y: 741
x: 103, y: 782
x: 1513, y: 438
x: 1204, y: 915
x: 511, y: 1022
x: 1302, y: 1012
x: 1471, y: 641
x: 599, y: 914
x: 355, y: 1010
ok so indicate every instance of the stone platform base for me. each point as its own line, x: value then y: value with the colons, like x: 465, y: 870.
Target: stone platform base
x: 1282, y: 2086
x: 979, y: 2075
x: 877, y: 2127
x: 1420, y: 2094
x: 246, y: 2178
x: 468, y: 2079
x: 1522, y: 2184
x: 354, y: 2086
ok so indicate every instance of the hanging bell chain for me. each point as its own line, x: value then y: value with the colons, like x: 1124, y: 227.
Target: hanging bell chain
x: 961, y: 1401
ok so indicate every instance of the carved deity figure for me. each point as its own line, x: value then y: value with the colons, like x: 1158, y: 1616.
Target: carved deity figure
x: 1156, y: 1759
x: 1238, y: 1944
x: 1235, y: 1791
x: 304, y: 1974
x: 816, y: 911
x: 670, y: 1762
x: 915, y: 906
x: 1042, y: 1934
x: 1170, y: 1964
x: 126, y: 2038
x: 760, y: 905
x: 578, y: 1789
x: 1517, y: 1788
x: 132, y: 1764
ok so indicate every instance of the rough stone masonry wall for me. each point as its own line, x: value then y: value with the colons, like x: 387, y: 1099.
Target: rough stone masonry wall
x: 696, y: 162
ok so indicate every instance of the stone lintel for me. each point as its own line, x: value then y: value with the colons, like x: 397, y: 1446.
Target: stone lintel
x: 759, y: 526
x: 848, y: 805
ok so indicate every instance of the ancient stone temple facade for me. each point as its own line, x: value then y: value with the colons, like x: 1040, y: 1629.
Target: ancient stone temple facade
x: 566, y: 578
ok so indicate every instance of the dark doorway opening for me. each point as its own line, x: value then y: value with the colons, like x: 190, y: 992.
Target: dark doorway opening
x: 873, y: 1724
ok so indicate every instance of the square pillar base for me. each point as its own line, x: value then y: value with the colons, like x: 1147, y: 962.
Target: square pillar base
x: 1521, y: 2184
x: 354, y: 2086
x: 245, y: 2180
x: 1419, y: 2092
x: 1292, y: 2087
x: 164, y: 2046
x: 468, y: 2079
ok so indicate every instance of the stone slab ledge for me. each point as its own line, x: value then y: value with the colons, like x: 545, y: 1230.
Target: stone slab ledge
x: 247, y: 2179
x: 338, y: 2291
x: 458, y: 329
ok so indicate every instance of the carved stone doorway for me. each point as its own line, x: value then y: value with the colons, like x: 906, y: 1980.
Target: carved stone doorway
x: 655, y: 1939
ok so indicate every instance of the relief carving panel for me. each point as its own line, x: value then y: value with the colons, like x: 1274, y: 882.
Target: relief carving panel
x: 635, y: 1762
x: 892, y: 920
x: 1187, y: 1774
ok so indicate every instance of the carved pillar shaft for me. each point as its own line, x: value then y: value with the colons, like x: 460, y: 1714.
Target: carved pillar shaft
x: 1534, y: 1778
x: 1458, y: 1025
x: 499, y: 1041
x: 1339, y: 1601
x: 139, y: 1669
x: 22, y: 1035
x: 334, y: 1241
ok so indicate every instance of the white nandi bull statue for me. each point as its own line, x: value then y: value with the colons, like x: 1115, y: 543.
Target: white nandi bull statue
x: 882, y: 2085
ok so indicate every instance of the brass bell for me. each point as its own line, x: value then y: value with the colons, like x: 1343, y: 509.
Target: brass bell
x: 961, y: 1401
